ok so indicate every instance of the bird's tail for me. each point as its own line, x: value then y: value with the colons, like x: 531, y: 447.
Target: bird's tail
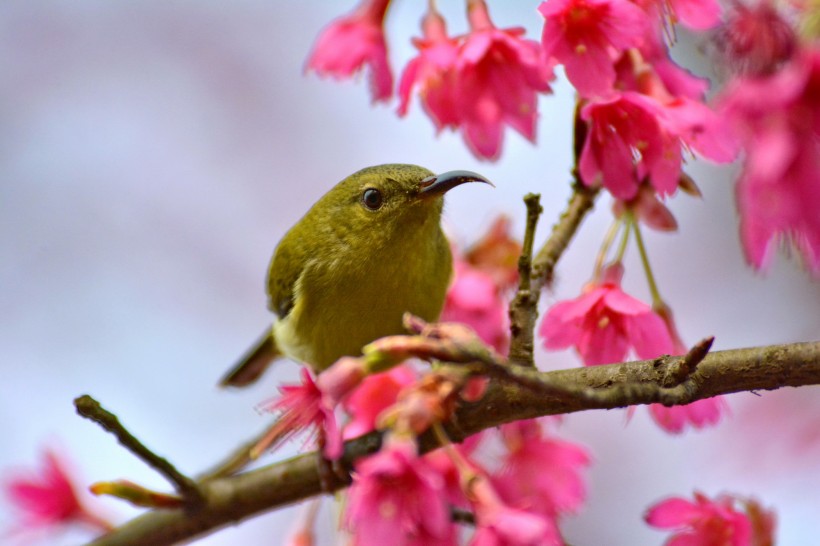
x: 253, y: 363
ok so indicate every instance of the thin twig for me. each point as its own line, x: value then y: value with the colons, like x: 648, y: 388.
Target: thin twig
x: 521, y: 320
x: 89, y: 408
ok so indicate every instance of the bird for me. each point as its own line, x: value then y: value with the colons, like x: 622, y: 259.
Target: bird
x: 369, y: 250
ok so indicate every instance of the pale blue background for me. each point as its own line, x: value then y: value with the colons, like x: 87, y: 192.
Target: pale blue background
x: 152, y: 154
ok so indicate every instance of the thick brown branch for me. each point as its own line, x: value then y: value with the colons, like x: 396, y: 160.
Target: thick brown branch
x: 232, y: 499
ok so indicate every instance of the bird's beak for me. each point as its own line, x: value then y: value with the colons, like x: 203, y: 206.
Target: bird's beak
x: 439, y: 184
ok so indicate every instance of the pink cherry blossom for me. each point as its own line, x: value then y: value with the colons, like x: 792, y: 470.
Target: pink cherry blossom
x: 433, y: 74
x: 396, y: 498
x: 499, y: 76
x: 375, y: 394
x: 541, y: 473
x: 604, y: 322
x: 622, y: 127
x: 586, y: 36
x: 778, y: 192
x: 474, y: 299
x: 302, y: 407
x: 712, y: 522
x: 350, y: 42
x: 47, y: 498
x: 498, y: 524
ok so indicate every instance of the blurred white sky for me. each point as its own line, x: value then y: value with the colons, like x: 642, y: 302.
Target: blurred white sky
x: 152, y: 154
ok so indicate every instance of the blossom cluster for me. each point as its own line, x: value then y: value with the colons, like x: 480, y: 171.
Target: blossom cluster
x: 639, y: 112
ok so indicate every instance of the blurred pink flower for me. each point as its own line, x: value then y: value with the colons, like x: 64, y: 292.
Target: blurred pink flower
x: 474, y: 299
x: 397, y: 498
x: 433, y: 73
x: 699, y: 414
x: 352, y: 41
x: 540, y: 473
x: 48, y: 499
x: 442, y: 462
x: 498, y: 524
x: 375, y: 394
x: 778, y: 192
x: 302, y: 407
x: 587, y: 36
x: 712, y: 522
x: 604, y: 322
x: 499, y: 76
x: 755, y: 39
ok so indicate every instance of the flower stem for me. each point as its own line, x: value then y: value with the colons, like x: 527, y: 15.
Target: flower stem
x: 657, y: 301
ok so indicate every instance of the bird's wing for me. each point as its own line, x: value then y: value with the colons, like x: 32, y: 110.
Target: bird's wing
x: 287, y: 265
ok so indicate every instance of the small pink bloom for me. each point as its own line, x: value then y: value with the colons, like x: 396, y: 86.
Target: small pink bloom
x: 499, y: 76
x: 587, y: 36
x: 433, y: 73
x: 396, y: 498
x: 699, y: 414
x: 778, y: 192
x: 540, y: 473
x: 48, y: 499
x: 623, y: 127
x: 376, y: 393
x: 498, y: 524
x: 705, y: 521
x: 302, y: 407
x: 474, y: 299
x: 350, y: 42
x: 604, y: 322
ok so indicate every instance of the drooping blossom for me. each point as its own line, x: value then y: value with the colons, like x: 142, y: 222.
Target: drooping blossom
x: 375, y: 394
x: 540, y: 472
x: 623, y: 127
x: 478, y: 83
x: 47, y: 499
x: 604, y: 322
x: 302, y: 408
x: 778, y: 193
x: 500, y: 75
x: 587, y: 36
x: 713, y: 522
x: 396, y: 498
x: 354, y: 41
x: 433, y: 74
x: 499, y: 524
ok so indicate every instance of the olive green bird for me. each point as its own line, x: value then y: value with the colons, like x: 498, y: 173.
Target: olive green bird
x: 368, y: 251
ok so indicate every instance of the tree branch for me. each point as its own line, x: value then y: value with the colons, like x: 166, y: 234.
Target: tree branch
x: 230, y: 500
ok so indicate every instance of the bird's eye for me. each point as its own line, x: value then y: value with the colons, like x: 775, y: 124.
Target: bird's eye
x: 372, y: 198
